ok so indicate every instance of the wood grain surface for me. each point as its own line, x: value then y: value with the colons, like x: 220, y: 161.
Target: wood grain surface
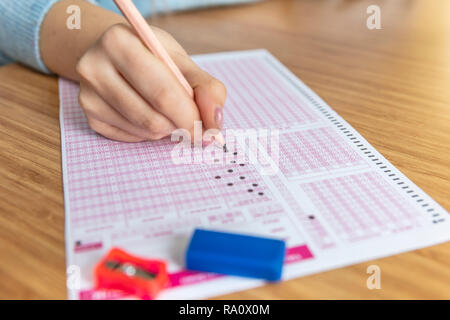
x: 392, y: 85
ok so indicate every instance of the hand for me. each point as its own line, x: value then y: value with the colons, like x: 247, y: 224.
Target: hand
x: 129, y: 95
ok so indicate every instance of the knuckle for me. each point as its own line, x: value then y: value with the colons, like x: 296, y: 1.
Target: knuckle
x: 156, y: 136
x: 86, y: 103
x: 163, y: 34
x: 82, y: 99
x: 217, y: 85
x: 163, y: 98
x: 155, y: 125
x: 83, y: 66
x: 95, y: 125
x: 114, y: 37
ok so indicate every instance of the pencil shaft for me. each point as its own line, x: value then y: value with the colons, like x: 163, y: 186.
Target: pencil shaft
x: 149, y: 38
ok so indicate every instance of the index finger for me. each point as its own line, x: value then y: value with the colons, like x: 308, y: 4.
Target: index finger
x: 153, y: 80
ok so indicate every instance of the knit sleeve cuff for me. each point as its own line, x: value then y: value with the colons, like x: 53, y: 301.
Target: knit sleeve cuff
x: 4, y: 59
x: 20, y: 25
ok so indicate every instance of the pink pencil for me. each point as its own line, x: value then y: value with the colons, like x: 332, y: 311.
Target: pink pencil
x: 149, y: 38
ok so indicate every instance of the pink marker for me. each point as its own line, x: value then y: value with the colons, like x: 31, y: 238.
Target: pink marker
x: 149, y: 38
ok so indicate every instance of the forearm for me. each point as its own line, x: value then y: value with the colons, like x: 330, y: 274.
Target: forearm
x: 61, y: 47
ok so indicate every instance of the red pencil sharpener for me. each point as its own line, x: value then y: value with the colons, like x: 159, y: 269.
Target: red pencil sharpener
x: 120, y: 270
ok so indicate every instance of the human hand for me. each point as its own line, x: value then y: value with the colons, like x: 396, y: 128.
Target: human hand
x: 129, y: 95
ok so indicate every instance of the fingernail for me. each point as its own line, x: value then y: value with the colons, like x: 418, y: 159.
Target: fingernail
x: 218, y: 117
x: 207, y: 143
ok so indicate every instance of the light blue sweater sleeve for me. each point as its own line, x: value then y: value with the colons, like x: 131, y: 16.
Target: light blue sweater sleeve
x: 148, y: 7
x: 4, y: 59
x: 20, y: 22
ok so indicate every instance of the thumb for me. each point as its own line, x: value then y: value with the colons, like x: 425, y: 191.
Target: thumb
x: 209, y: 93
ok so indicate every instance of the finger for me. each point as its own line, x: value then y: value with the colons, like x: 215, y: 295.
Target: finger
x: 210, y: 93
x: 116, y: 92
x: 94, y: 106
x: 152, y: 79
x: 111, y: 132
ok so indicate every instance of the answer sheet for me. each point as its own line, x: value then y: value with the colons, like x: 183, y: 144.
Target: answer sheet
x: 330, y: 195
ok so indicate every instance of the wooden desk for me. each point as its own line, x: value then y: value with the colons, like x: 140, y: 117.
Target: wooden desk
x: 392, y: 85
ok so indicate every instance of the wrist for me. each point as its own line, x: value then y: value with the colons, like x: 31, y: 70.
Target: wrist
x: 61, y: 47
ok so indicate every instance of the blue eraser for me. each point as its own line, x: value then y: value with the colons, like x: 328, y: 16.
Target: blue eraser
x: 236, y: 254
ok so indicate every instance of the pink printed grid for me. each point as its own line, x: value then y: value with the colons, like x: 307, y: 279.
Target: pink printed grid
x: 314, y: 151
x: 362, y: 206
x: 312, y: 225
x: 259, y: 98
x: 114, y: 183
